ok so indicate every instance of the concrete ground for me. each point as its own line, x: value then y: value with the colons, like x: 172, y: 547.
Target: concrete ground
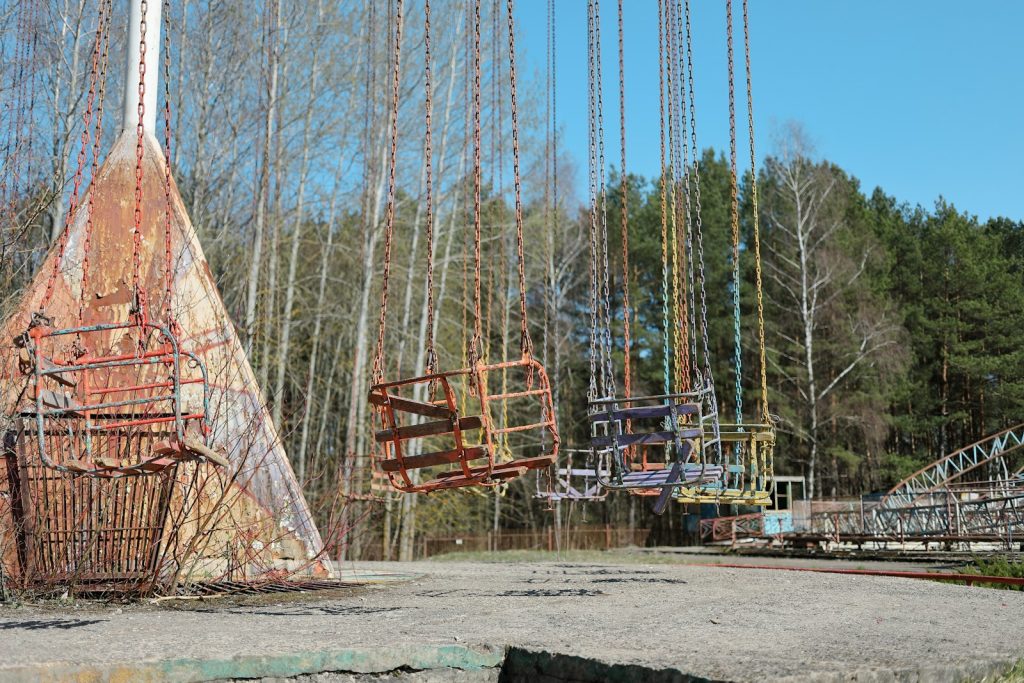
x: 548, y: 621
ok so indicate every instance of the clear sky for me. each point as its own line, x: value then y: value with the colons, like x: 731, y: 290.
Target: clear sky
x: 921, y: 97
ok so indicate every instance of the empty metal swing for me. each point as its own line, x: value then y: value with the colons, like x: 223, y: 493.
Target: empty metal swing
x: 445, y: 430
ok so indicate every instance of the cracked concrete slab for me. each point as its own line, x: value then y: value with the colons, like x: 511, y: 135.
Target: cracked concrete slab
x: 557, y: 621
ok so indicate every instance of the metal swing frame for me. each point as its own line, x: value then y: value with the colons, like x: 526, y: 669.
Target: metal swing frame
x: 749, y: 479
x: 561, y: 480
x: 683, y: 431
x: 470, y: 441
x: 93, y: 462
x: 89, y: 434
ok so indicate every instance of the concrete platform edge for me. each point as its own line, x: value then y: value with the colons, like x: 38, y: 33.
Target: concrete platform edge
x: 347, y: 660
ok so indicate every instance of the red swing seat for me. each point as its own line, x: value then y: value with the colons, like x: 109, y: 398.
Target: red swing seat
x: 116, y: 412
x: 471, y: 441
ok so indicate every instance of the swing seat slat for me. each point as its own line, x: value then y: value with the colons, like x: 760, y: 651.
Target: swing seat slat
x: 435, y: 458
x: 428, y: 429
x: 407, y: 405
x: 692, y: 472
x: 645, y: 438
x: 644, y: 412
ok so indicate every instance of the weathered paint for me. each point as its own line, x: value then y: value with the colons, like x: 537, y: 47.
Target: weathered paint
x: 257, y: 510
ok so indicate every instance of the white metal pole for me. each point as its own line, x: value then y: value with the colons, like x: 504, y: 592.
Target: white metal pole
x: 131, y: 87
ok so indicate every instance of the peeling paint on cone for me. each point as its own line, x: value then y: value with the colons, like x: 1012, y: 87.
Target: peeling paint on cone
x: 263, y: 513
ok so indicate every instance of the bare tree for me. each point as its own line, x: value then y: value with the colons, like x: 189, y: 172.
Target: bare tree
x: 826, y: 328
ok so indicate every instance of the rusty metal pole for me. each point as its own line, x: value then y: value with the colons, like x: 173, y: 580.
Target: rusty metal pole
x: 130, y: 118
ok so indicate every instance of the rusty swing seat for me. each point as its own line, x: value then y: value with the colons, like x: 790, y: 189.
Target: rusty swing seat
x: 470, y: 442
x: 92, y: 460
x: 114, y: 414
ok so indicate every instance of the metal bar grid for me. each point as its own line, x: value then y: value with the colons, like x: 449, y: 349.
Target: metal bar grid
x: 400, y: 436
x: 75, y: 531
x: 83, y: 422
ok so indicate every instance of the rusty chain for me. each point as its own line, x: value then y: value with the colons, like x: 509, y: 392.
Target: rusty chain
x: 431, y: 360
x: 168, y: 257
x: 97, y: 76
x: 389, y: 215
x: 525, y: 343
x: 62, y: 240
x: 140, y: 296
x: 476, y: 344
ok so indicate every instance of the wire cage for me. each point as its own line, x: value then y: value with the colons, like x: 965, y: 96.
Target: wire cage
x: 99, y: 533
x: 433, y: 422
x: 92, y: 459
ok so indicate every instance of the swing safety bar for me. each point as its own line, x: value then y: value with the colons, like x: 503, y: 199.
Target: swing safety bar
x: 469, y: 430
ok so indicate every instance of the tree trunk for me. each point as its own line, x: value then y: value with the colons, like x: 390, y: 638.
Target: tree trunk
x: 263, y: 188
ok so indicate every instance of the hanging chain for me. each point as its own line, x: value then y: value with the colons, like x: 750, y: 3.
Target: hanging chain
x: 707, y: 379
x: 475, y: 346
x: 428, y: 104
x: 673, y: 228
x: 140, y: 295
x: 97, y: 76
x: 525, y: 343
x: 609, y: 372
x: 765, y: 418
x: 594, y: 391
x: 76, y: 187
x: 168, y: 257
x: 689, y: 306
x: 683, y: 323
x: 389, y: 215
x: 734, y: 206
x: 667, y: 349
x: 627, y: 312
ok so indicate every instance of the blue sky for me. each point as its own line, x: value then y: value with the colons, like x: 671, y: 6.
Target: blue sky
x: 921, y: 97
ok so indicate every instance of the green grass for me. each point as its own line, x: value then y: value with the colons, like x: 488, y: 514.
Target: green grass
x: 997, y: 566
x: 1015, y: 674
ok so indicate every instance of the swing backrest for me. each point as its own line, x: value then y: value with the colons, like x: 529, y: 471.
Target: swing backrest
x: 419, y: 435
x: 462, y: 434
x: 114, y: 399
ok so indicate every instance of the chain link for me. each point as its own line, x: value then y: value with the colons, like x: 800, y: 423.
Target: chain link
x: 139, y: 293
x: 682, y: 324
x: 592, y: 191
x: 76, y: 187
x: 475, y: 346
x: 608, y: 370
x: 707, y: 380
x: 525, y: 343
x: 168, y: 256
x: 667, y: 349
x: 627, y: 312
x: 100, y: 55
x: 673, y: 228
